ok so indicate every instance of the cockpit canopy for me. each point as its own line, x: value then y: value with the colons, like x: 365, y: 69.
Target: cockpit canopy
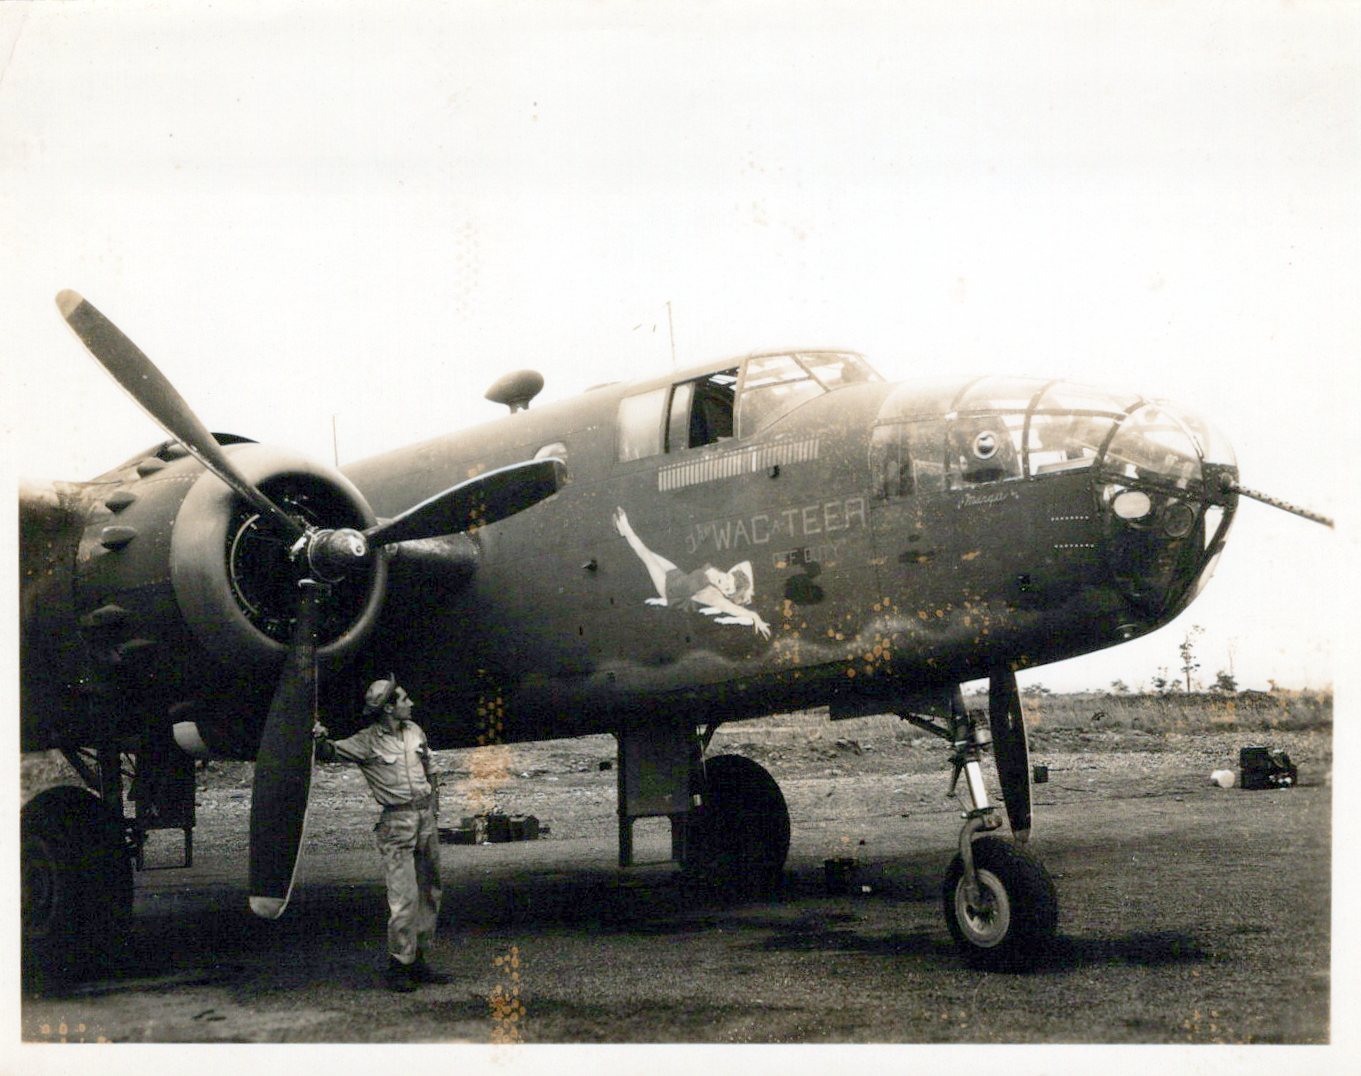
x: 774, y: 385
x: 736, y: 401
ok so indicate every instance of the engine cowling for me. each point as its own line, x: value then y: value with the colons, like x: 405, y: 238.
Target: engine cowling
x: 181, y: 598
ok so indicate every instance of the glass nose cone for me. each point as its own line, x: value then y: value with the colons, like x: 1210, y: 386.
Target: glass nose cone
x: 1164, y: 477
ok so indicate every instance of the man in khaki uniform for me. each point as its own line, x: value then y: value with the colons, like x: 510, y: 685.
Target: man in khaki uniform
x: 395, y: 758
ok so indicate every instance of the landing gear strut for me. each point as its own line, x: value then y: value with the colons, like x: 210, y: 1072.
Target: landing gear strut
x: 1000, y: 904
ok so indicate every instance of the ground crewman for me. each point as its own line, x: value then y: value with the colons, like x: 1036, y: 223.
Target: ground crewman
x: 395, y: 758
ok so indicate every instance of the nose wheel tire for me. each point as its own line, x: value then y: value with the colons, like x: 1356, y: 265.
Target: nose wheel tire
x: 1016, y: 911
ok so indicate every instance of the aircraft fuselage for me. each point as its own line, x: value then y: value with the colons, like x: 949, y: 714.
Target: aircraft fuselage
x: 880, y: 563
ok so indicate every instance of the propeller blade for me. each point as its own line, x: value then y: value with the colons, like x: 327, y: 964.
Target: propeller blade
x: 474, y: 503
x: 1010, y: 749
x: 283, y: 770
x: 149, y: 387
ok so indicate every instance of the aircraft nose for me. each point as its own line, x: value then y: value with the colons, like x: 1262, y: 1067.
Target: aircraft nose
x: 1152, y: 485
x: 1164, y: 481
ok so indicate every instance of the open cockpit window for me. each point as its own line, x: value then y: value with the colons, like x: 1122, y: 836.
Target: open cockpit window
x: 702, y: 411
x: 709, y: 409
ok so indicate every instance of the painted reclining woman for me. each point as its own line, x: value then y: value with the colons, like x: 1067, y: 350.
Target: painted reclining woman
x: 709, y: 589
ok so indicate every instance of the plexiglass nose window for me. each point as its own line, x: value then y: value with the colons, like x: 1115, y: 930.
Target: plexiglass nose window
x: 986, y: 431
x: 1153, y: 443
x: 1069, y: 425
x: 984, y: 448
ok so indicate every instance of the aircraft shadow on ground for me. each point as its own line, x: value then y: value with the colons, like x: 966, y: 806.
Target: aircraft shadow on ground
x: 1150, y: 949
x: 1064, y: 954
x: 217, y: 939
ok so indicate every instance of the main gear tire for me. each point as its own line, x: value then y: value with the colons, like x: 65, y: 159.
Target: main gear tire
x: 738, y: 839
x: 76, y: 887
x: 1013, y: 922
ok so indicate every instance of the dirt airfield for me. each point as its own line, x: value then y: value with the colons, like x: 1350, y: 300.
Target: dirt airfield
x: 1189, y: 913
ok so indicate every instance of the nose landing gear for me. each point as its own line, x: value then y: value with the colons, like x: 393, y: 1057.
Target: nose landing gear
x: 1008, y: 914
x: 1000, y: 903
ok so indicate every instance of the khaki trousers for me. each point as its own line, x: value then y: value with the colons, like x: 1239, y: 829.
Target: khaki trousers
x: 408, y: 842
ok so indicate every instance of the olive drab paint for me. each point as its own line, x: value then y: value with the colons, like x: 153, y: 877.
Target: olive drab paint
x: 780, y: 531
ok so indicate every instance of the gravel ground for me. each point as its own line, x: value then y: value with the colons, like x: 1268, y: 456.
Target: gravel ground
x: 1190, y: 913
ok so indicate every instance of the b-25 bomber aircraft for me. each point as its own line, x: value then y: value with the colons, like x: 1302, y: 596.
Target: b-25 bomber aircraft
x: 650, y: 559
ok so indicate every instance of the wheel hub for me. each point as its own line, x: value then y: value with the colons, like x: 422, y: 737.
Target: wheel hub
x: 986, y: 921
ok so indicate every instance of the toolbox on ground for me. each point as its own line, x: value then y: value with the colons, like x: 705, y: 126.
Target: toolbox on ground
x: 1266, y: 767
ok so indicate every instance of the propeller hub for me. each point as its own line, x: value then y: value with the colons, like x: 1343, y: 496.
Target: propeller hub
x: 332, y: 554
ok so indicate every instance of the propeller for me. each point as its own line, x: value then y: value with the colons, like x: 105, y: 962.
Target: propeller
x: 283, y: 769
x: 149, y: 387
x: 319, y: 555
x: 475, y: 503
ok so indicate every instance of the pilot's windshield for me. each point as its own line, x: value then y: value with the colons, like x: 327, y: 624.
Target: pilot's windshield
x: 776, y: 384
x: 834, y: 369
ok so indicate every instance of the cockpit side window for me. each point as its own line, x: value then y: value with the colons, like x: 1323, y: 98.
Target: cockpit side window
x: 639, y: 428
x: 702, y: 411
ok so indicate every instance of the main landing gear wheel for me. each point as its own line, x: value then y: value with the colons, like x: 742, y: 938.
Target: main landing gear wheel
x: 1016, y: 913
x: 76, y: 885
x: 738, y: 839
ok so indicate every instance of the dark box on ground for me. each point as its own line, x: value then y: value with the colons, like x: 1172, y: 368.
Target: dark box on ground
x: 838, y: 874
x: 1266, y: 767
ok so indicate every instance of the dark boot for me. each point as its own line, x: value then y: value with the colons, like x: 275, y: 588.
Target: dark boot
x: 422, y: 972
x: 399, y: 976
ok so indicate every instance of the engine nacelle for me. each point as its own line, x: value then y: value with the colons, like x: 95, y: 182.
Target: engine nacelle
x: 155, y: 595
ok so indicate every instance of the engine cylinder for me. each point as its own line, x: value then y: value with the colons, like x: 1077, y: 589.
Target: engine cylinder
x: 155, y: 590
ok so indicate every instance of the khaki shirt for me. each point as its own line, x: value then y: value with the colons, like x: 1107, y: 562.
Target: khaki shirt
x: 397, y: 765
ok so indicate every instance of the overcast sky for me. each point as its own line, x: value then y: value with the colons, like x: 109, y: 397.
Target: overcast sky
x: 363, y: 214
